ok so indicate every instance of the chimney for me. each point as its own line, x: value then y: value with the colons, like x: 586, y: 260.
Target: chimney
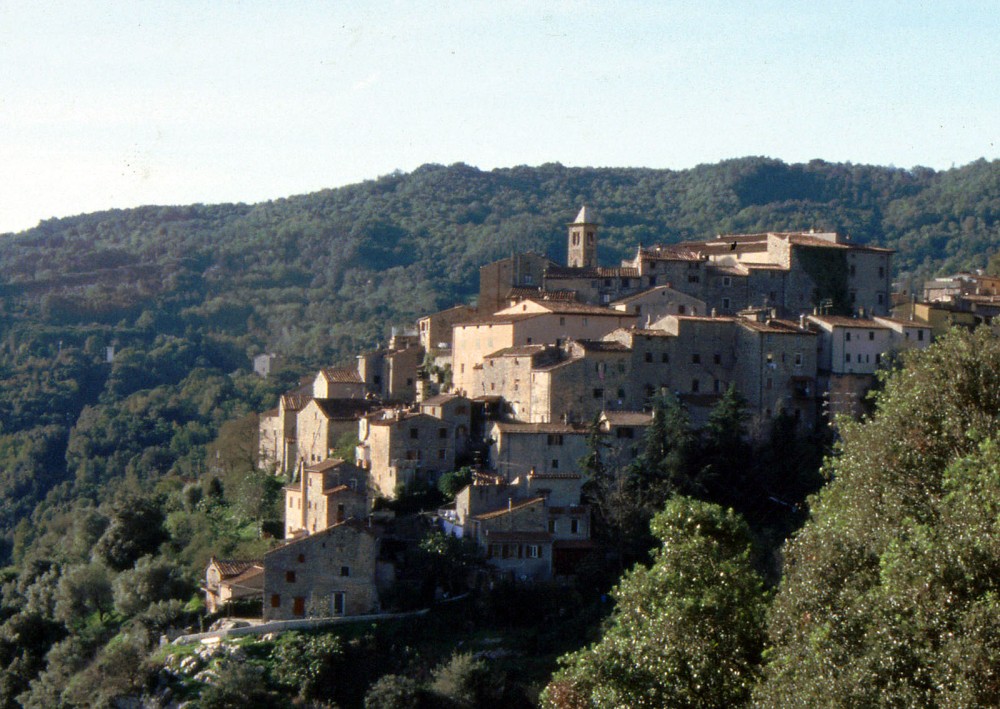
x: 713, y: 312
x: 802, y: 321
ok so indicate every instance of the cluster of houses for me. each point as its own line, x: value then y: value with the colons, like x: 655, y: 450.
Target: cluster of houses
x: 514, y: 386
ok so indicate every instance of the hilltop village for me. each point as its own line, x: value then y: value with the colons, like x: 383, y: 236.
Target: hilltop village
x: 797, y: 323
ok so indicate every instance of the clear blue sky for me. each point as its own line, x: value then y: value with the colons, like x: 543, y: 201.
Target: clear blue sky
x: 116, y: 104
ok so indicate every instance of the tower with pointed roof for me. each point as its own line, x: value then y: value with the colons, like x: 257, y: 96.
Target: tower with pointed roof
x: 582, y: 240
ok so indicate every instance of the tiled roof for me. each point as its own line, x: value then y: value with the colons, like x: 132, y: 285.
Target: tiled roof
x: 345, y: 375
x: 515, y: 536
x: 674, y: 252
x: 520, y: 351
x: 628, y: 418
x: 440, y: 399
x: 775, y: 327
x: 514, y: 507
x: 345, y: 408
x: 572, y: 308
x: 646, y: 293
x: 498, y: 319
x: 517, y: 427
x: 553, y: 476
x: 328, y: 464
x: 253, y: 572
x: 295, y: 400
x: 234, y: 567
x: 564, y: 272
x: 602, y: 346
x: 525, y: 293
x: 844, y: 321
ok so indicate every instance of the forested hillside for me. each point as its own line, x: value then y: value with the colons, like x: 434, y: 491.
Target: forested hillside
x: 125, y: 474
x: 191, y: 292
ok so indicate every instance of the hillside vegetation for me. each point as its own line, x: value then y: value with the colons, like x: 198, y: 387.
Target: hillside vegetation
x: 125, y: 475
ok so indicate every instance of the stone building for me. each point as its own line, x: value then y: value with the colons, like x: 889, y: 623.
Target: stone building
x: 650, y: 305
x: 527, y: 323
x: 332, y: 572
x: 232, y: 579
x: 400, y: 447
x: 519, y: 449
x: 326, y: 494
x: 338, y: 383
x: 498, y: 279
x: 323, y: 423
x: 435, y: 329
x: 391, y: 373
x: 277, y: 433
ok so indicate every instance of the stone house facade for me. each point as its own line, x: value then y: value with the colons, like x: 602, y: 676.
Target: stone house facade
x: 323, y: 422
x: 399, y: 447
x: 326, y: 494
x: 277, y: 433
x: 520, y: 449
x: 338, y: 383
x: 332, y: 572
x: 231, y: 579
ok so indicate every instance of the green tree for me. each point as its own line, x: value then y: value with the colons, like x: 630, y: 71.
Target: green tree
x: 686, y: 631
x: 889, y: 596
x: 83, y: 590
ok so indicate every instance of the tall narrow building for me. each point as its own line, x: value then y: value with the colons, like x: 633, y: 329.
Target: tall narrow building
x: 582, y: 240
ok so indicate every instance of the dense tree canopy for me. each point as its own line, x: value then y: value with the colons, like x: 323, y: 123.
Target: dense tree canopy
x: 890, y: 593
x: 687, y: 631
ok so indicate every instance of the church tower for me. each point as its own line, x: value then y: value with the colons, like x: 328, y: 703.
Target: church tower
x: 582, y: 243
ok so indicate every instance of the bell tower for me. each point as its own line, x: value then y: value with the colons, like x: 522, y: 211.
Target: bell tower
x: 582, y: 240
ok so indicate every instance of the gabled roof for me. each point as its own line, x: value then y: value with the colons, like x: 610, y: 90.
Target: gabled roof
x: 441, y: 399
x: 510, y: 508
x: 518, y: 351
x: 518, y: 427
x: 844, y: 321
x: 345, y: 375
x: 560, y: 272
x: 627, y: 418
x: 345, y: 408
x: 229, y: 568
x: 562, y: 308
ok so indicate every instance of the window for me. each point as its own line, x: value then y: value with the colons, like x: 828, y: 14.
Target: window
x: 878, y: 358
x: 725, y: 303
x: 854, y: 296
x: 881, y: 298
x: 769, y: 384
x: 534, y: 551
x: 664, y: 358
x: 717, y: 386
x: 717, y: 358
x: 441, y: 454
x: 562, y: 320
x: 798, y: 359
x: 920, y: 335
x: 693, y: 278
x: 275, y: 600
x: 649, y: 356
x: 881, y: 271
x: 442, y: 433
x: 302, y: 558
x: 652, y: 280
x: 847, y: 356
x: 727, y: 281
x: 681, y: 309
x: 598, y: 393
x: 854, y: 270
x: 337, y: 603
x: 289, y: 577
x: 345, y: 570
x: 409, y: 381
x: 555, y: 463
x: 574, y: 526
x: 555, y: 439
x: 414, y: 433
x: 871, y: 335
x: 694, y: 386
x: 552, y: 526
x: 607, y: 282
x: 696, y: 358
x: 847, y: 336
